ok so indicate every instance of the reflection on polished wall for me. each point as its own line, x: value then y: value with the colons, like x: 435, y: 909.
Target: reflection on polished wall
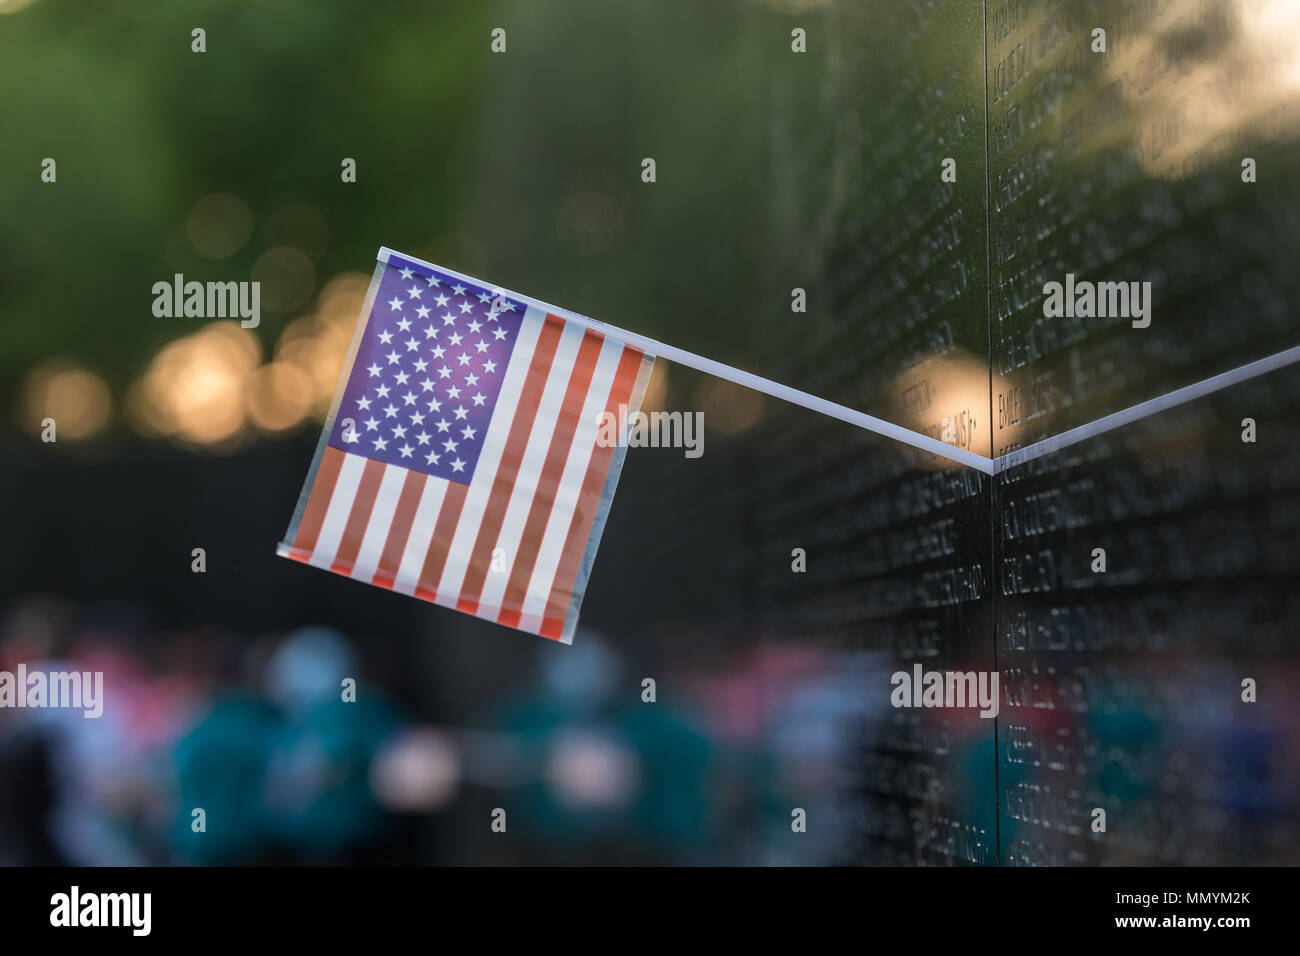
x: 1127, y: 166
x: 1121, y: 689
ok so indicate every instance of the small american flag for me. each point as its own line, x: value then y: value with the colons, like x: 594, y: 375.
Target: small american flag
x: 460, y: 461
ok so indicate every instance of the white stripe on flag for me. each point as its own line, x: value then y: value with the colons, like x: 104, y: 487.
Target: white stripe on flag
x: 575, y: 470
x: 381, y: 522
x: 480, y: 487
x: 340, y: 508
x: 530, y: 468
x: 422, y: 525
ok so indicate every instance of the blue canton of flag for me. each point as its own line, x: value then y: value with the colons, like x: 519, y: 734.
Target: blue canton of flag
x: 427, y: 373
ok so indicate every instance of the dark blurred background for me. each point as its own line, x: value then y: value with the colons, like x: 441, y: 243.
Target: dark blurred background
x: 776, y: 170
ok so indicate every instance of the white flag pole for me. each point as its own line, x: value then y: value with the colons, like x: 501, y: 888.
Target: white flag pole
x: 731, y: 374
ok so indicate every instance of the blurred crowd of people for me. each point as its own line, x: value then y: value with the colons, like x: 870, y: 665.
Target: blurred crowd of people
x: 217, y: 748
x: 301, y: 748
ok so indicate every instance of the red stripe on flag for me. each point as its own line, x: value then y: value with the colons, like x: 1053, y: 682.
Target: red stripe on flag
x: 403, y: 517
x: 440, y: 543
x: 511, y: 455
x: 575, y: 545
x: 318, y: 502
x: 359, y: 517
x: 530, y: 541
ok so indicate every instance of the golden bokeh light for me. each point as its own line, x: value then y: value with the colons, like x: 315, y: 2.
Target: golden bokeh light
x: 76, y: 398
x: 279, y: 397
x: 1193, y: 83
x: 212, y: 389
x: 317, y: 344
x: 947, y: 398
x: 194, y: 389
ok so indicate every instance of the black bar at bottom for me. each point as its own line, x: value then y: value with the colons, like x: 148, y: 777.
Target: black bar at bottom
x: 332, y: 906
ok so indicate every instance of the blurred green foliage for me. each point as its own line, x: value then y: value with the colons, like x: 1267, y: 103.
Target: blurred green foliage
x: 523, y: 168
